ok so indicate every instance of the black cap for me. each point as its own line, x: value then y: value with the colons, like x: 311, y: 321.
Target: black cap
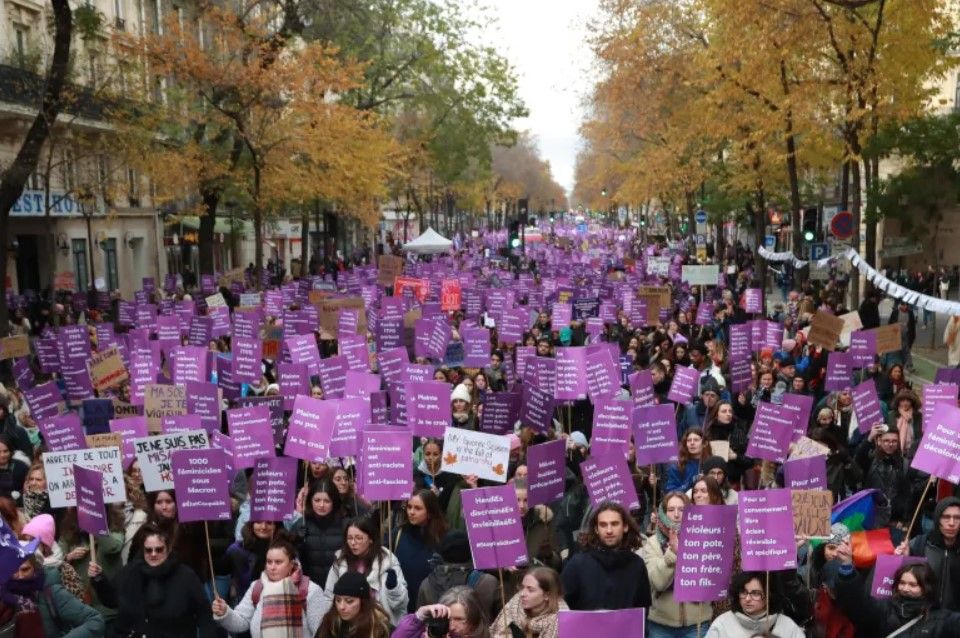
x: 455, y: 548
x: 352, y: 584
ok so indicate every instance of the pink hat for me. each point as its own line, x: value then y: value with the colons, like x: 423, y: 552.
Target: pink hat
x: 514, y: 442
x: 41, y: 526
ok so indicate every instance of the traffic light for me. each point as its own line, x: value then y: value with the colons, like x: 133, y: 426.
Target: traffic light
x: 683, y: 227
x: 810, y: 225
x: 513, y: 239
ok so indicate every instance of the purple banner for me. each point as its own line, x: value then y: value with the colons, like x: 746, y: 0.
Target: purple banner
x: 493, y: 524
x: 740, y: 346
x: 705, y: 553
x: 799, y: 407
x: 500, y: 411
x: 384, y: 472
x: 272, y: 493
x: 807, y: 473
x: 202, y: 485
x: 685, y: 382
x: 939, y: 452
x: 571, y: 380
x: 251, y: 434
x: 621, y: 622
x: 741, y: 375
x: 609, y: 479
x: 333, y: 376
x: 310, y: 430
x: 704, y: 314
x: 935, y: 393
x: 603, y: 374
x: 428, y: 408
x: 753, y: 300
x: 247, y: 355
x: 91, y: 512
x: 537, y: 409
x: 655, y: 434
x: 641, y: 388
x: 766, y: 530
x: 350, y: 417
x: 771, y: 433
x: 476, y: 347
x: 612, y: 421
x: 863, y: 347
x: 546, y: 470
x: 63, y: 433
x: 203, y: 399
x: 866, y: 405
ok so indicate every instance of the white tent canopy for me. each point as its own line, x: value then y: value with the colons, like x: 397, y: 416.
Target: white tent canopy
x: 429, y: 243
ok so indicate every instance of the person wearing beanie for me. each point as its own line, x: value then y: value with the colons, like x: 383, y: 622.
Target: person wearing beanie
x: 716, y: 468
x: 453, y: 566
x: 461, y: 409
x: 695, y: 414
x: 942, y: 550
x: 886, y: 469
x: 55, y: 568
x: 47, y: 609
x: 354, y: 611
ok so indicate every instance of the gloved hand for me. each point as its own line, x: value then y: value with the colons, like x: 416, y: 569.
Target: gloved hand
x: 391, y: 578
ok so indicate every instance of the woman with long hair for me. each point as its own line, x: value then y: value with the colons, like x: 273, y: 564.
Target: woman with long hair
x: 706, y: 491
x: 363, y: 553
x: 459, y: 611
x: 354, y: 505
x: 427, y: 474
x: 248, y: 556
x: 533, y: 610
x: 694, y: 448
x: 354, y: 612
x: 726, y: 426
x: 416, y: 541
x: 282, y: 602
x: 319, y: 533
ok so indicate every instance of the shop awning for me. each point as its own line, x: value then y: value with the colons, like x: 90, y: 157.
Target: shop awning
x: 222, y: 225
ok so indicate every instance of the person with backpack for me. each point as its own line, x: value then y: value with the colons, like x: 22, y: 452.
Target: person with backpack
x: 282, y: 602
x: 452, y: 567
x: 48, y: 610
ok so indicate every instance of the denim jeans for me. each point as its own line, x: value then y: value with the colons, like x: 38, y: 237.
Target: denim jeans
x: 656, y: 630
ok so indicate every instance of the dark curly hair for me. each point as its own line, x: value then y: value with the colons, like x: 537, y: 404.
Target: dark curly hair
x: 632, y: 538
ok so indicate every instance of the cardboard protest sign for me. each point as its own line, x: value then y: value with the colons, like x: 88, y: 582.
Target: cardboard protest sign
x: 770, y: 433
x: 545, y: 472
x: 389, y: 268
x: 809, y: 473
x: 13, y: 347
x: 384, y: 466
x: 612, y: 424
x: 272, y: 493
x: 888, y: 338
x: 58, y: 467
x: 885, y: 569
x: 475, y: 453
x: 492, y: 517
x: 705, y: 553
x: 686, y: 380
x: 63, y: 433
x: 252, y: 435
x: 203, y: 488
x: 655, y: 434
x: 825, y: 330
x: 310, y: 429
x: 805, y: 447
x: 154, y: 452
x: 866, y: 405
x: 811, y: 512
x: 428, y: 408
x: 766, y: 530
x: 939, y: 450
x: 163, y: 400
x: 91, y: 512
x: 608, y: 479
x: 621, y: 622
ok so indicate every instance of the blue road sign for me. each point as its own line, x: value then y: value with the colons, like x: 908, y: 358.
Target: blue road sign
x: 818, y: 251
x: 701, y: 217
x: 770, y: 241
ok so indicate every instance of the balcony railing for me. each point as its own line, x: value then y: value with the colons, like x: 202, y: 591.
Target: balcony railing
x: 25, y: 88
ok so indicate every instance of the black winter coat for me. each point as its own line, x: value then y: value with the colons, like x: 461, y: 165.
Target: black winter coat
x: 606, y: 579
x: 944, y: 561
x: 318, y: 540
x: 157, y: 602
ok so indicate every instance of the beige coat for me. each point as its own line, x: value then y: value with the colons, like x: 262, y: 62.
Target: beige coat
x: 665, y: 610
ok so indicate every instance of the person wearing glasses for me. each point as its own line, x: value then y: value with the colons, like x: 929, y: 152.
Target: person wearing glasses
x: 155, y: 594
x: 752, y: 613
x: 942, y: 551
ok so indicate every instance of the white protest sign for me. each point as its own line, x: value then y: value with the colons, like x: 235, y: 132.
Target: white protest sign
x: 700, y: 275
x: 58, y: 467
x: 153, y: 455
x: 485, y: 455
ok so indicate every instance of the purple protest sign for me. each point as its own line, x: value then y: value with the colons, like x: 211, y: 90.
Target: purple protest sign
x: 686, y: 379
x: 252, y: 435
x: 247, y: 355
x: 542, y: 372
x: 131, y: 427
x: 740, y: 341
x: 935, y: 393
x: 571, y: 380
x: 655, y: 434
x: 799, y: 407
x: 608, y: 479
x: 333, y: 376
x: 272, y: 494
x: 294, y: 379
x: 885, y: 569
x: 561, y: 317
x: 428, y: 408
x: 23, y: 373
x: 431, y: 337
x: 612, y: 422
x: 393, y: 364
x: 705, y: 553
x: 545, y: 472
x: 384, y: 466
x: 766, y: 530
x: 189, y: 363
x: 361, y: 384
x: 493, y: 524
x: 620, y: 622
x: 354, y: 349
x: 500, y: 411
x: 91, y: 512
x: 944, y: 375
x: 939, y: 452
x: 741, y: 374
x: 807, y: 473
x: 310, y: 430
x: 537, y: 409
x: 476, y: 347
x: 63, y: 433
x: 863, y: 347
x: 704, y: 314
x: 753, y: 300
x: 866, y: 405
x: 771, y: 433
x: 349, y: 419
x: 200, y: 479
x: 839, y: 370
x: 203, y: 399
x: 603, y: 375
x: 303, y: 350
x: 641, y: 388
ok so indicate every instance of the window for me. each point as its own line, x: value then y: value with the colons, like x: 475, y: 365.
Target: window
x: 956, y: 94
x: 133, y: 187
x: 94, y: 69
x: 80, y: 263
x: 110, y: 260
x: 21, y: 45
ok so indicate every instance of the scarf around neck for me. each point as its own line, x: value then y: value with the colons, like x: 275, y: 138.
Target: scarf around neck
x: 283, y: 604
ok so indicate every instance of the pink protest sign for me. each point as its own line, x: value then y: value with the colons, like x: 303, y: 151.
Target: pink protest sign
x: 866, y: 405
x: 655, y: 434
x: 620, y: 622
x: 684, y: 386
x: 939, y: 450
x: 571, y: 379
x: 545, y: 472
x: 91, y: 512
x: 200, y: 479
x: 252, y: 435
x: 705, y: 553
x: 807, y: 473
x: 272, y: 493
x: 310, y: 429
x: 612, y: 422
x: 428, y: 408
x: 608, y: 479
x: 884, y: 570
x: 383, y: 472
x: 493, y: 524
x: 766, y: 530
x: 770, y: 433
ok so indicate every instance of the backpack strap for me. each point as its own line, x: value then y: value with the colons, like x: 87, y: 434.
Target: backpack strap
x: 473, y: 578
x: 54, y: 612
x: 257, y: 590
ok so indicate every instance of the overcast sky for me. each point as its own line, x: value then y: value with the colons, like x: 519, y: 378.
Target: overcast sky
x: 546, y: 40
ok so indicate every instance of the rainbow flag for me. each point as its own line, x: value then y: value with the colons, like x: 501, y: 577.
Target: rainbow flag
x: 857, y: 512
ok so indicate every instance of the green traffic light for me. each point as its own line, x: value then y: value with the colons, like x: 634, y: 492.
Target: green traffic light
x: 808, y: 235
x: 515, y: 242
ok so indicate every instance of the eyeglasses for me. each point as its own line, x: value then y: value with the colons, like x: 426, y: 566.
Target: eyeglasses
x: 154, y: 550
x: 755, y: 594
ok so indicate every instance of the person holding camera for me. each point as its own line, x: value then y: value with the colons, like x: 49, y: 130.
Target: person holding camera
x: 459, y: 613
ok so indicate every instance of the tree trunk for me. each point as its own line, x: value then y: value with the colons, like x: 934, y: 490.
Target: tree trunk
x: 304, y: 240
x: 855, y: 240
x: 208, y: 221
x: 257, y: 227
x: 15, y: 176
x: 872, y: 219
x: 759, y: 222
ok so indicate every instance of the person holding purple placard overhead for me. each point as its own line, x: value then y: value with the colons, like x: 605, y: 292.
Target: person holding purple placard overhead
x: 608, y: 573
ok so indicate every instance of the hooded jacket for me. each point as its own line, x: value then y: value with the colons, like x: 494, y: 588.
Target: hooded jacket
x: 945, y: 561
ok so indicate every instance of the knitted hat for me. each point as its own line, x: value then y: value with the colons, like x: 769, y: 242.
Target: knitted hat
x: 43, y: 527
x: 352, y: 584
x: 838, y: 534
x: 455, y: 548
x: 580, y: 439
x: 713, y: 463
x: 460, y: 392
x: 709, y: 384
x: 515, y: 442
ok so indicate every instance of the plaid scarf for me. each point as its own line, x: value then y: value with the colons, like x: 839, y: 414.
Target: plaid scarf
x: 283, y: 605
